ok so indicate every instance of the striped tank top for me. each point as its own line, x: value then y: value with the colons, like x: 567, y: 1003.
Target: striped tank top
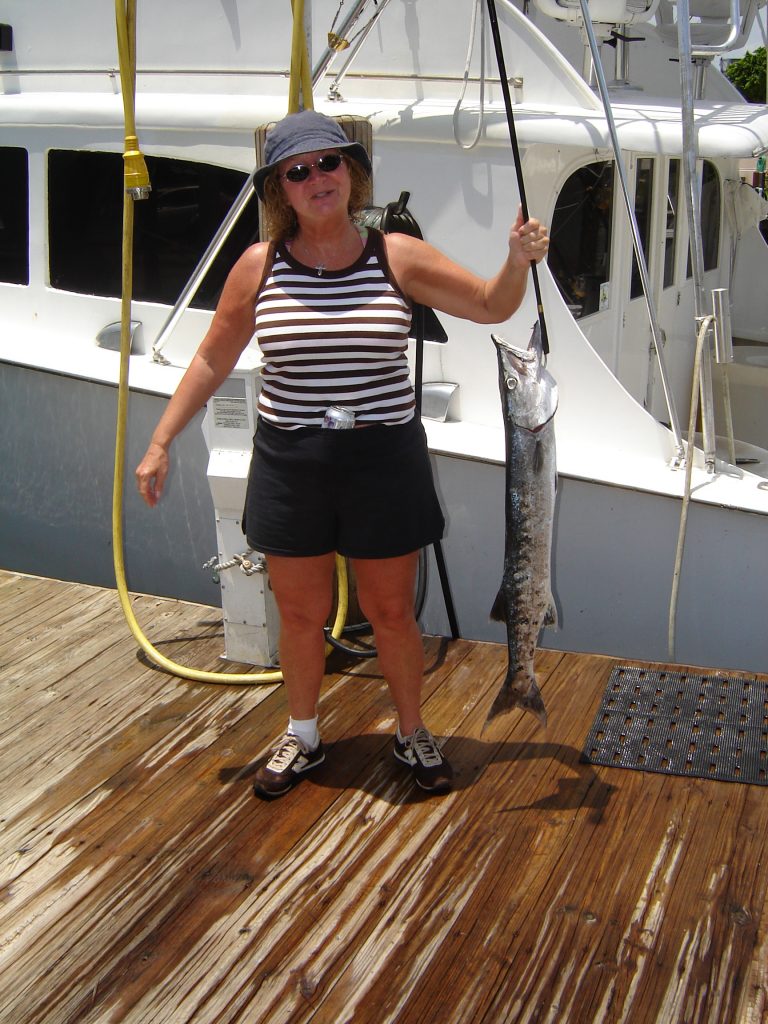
x: 339, y: 337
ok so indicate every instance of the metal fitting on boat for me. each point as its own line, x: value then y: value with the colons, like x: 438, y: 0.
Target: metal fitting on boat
x: 136, y: 175
x: 247, y: 566
x: 721, y: 309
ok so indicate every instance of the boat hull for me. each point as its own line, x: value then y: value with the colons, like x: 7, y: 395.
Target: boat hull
x: 613, y: 548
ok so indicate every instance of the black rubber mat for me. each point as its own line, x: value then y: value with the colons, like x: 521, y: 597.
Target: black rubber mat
x: 706, y: 726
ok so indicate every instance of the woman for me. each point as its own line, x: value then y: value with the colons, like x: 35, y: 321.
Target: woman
x: 331, y: 304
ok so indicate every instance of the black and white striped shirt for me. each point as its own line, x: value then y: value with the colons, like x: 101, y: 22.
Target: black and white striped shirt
x: 339, y: 337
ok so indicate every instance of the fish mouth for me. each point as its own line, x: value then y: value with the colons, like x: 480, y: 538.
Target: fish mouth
x: 526, y: 355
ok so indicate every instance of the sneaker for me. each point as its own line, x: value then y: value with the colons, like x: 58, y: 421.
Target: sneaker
x: 286, y: 765
x: 421, y: 752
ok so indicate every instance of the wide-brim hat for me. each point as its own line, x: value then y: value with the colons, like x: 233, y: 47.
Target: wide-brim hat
x: 305, y: 132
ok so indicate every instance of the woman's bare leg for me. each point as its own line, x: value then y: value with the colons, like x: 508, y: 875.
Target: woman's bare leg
x: 385, y: 590
x: 303, y: 591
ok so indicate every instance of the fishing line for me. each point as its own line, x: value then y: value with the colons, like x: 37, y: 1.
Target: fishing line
x: 516, y: 153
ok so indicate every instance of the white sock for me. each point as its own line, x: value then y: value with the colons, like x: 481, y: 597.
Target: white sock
x: 305, y: 729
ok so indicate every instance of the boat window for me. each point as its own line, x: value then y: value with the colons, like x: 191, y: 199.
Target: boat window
x: 580, y: 236
x: 14, y: 215
x: 710, y: 218
x: 643, y: 209
x: 670, y: 240
x: 172, y: 228
x: 710, y: 214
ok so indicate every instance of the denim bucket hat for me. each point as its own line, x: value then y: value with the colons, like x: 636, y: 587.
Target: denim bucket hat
x: 305, y: 132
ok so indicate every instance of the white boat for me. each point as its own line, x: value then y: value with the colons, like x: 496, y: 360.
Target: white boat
x: 426, y: 82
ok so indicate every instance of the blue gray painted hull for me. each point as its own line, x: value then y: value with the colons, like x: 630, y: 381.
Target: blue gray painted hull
x: 613, y: 547
x: 57, y: 454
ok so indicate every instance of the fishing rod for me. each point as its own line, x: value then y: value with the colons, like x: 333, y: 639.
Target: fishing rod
x: 491, y: 4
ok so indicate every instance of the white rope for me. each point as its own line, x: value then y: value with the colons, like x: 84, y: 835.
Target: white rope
x: 704, y: 328
x: 457, y: 110
x: 248, y: 566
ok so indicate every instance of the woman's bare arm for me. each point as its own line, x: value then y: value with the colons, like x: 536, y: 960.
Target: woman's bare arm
x: 428, y: 276
x: 230, y: 331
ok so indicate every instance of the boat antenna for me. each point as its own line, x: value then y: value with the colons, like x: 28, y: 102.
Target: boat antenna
x: 516, y: 153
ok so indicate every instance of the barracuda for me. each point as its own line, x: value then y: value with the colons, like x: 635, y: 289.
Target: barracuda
x: 524, y: 601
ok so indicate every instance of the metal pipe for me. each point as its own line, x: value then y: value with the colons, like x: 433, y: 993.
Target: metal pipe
x: 735, y: 18
x: 693, y: 209
x: 190, y: 288
x: 333, y: 92
x: 721, y: 310
x: 329, y: 54
x: 636, y: 241
x: 621, y: 73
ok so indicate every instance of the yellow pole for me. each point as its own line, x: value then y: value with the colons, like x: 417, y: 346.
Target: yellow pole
x: 300, y: 86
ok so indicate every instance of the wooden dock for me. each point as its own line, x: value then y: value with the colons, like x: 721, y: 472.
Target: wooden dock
x: 144, y: 883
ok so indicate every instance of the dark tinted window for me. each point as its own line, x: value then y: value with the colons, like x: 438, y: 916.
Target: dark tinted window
x: 710, y: 214
x: 14, y: 215
x: 580, y: 236
x: 643, y: 209
x: 672, y: 221
x: 710, y: 218
x: 172, y: 228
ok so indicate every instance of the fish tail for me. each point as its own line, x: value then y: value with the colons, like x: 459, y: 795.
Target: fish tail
x: 550, y: 616
x: 510, y: 696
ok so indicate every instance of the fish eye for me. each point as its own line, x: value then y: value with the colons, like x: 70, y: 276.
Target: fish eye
x: 511, y: 383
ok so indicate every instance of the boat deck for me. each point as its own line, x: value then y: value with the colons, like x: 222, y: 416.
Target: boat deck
x: 143, y: 882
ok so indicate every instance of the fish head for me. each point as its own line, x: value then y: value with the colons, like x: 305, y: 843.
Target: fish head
x: 528, y: 389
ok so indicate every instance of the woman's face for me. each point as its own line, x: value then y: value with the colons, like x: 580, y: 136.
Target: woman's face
x: 322, y: 192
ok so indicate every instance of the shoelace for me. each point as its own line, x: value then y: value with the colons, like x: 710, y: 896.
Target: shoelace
x: 285, y: 753
x: 426, y: 749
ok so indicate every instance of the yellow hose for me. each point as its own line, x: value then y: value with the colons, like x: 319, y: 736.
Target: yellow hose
x: 300, y: 71
x: 137, y: 178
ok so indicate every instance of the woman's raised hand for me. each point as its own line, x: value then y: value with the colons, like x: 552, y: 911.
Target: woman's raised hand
x: 528, y: 241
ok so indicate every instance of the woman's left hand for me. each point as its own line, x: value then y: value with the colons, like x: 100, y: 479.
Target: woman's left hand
x: 528, y: 241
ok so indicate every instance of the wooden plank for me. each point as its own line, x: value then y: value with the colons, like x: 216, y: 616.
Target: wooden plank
x: 231, y: 970
x: 23, y: 597
x: 331, y: 870
x: 136, y: 884
x: 154, y: 887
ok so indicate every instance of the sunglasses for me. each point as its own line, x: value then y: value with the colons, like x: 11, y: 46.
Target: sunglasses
x: 326, y: 164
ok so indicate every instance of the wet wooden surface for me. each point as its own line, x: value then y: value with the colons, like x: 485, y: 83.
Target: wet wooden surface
x: 143, y: 882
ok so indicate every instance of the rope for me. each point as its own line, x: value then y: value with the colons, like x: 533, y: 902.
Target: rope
x: 706, y: 323
x: 457, y: 109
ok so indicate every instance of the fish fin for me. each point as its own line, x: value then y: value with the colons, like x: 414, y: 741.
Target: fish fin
x: 508, y: 699
x: 499, y: 609
x: 550, y: 616
x: 538, y: 456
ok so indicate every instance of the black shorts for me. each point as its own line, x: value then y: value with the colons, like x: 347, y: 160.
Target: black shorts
x: 367, y: 492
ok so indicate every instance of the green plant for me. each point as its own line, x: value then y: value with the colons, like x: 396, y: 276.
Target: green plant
x: 748, y: 75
